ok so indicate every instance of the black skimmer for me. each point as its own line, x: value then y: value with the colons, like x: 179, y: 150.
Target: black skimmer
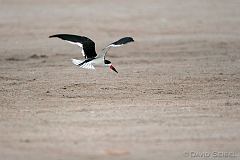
x: 92, y: 59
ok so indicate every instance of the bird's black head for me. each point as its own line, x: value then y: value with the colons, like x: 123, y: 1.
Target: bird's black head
x: 110, y: 65
x: 107, y: 61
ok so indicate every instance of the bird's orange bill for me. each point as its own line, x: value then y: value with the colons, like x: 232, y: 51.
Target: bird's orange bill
x: 113, y: 69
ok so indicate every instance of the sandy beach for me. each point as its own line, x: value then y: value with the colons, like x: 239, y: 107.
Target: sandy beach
x: 176, y: 96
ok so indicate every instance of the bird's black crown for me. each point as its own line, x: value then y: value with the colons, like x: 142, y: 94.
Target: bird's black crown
x: 107, y: 61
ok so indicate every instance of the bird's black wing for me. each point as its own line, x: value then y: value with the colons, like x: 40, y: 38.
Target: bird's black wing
x: 118, y: 43
x: 122, y: 41
x: 87, y: 44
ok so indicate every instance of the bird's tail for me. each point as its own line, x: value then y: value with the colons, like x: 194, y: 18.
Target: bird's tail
x: 76, y: 61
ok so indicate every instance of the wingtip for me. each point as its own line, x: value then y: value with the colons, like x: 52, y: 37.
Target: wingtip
x: 51, y: 36
x: 55, y: 35
x: 131, y: 39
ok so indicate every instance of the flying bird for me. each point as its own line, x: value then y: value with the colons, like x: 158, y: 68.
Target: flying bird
x: 92, y: 59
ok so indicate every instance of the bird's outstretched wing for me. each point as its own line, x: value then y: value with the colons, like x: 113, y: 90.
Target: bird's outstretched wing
x: 87, y: 45
x: 118, y: 43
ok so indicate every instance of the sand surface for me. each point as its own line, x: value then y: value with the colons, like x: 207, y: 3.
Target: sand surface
x: 177, y: 92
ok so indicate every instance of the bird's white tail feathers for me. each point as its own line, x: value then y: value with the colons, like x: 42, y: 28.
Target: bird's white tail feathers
x: 76, y: 61
x: 87, y: 65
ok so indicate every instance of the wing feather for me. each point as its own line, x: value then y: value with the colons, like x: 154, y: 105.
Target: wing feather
x: 87, y: 65
x: 87, y: 45
x: 118, y: 43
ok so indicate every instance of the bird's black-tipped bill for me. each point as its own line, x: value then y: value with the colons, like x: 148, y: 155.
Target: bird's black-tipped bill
x: 112, y: 68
